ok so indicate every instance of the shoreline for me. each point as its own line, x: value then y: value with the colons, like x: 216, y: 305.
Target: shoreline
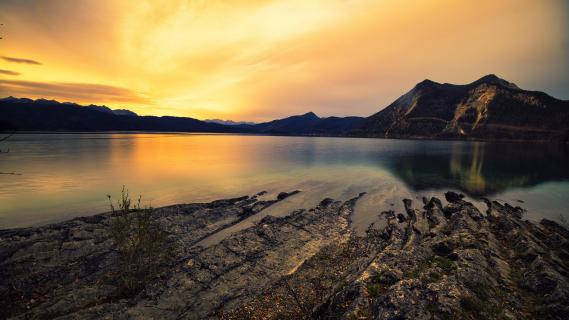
x: 451, y: 260
x: 513, y: 141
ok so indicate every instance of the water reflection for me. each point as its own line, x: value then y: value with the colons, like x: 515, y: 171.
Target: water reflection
x: 66, y: 175
x: 483, y: 169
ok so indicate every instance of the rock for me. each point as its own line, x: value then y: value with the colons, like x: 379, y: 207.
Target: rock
x: 555, y: 227
x: 408, y: 203
x: 390, y: 276
x: 442, y: 248
x: 453, y: 197
x: 437, y: 262
x: 453, y: 256
x: 434, y: 203
x: 284, y: 195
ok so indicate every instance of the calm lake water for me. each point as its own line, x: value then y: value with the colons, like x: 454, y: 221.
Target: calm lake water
x: 65, y: 175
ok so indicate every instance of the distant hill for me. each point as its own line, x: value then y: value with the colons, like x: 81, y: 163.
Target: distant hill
x: 229, y: 122
x: 308, y: 124
x: 489, y: 108
x: 49, y: 115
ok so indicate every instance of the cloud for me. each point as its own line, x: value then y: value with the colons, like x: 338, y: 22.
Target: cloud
x: 9, y: 72
x: 20, y: 60
x: 76, y: 92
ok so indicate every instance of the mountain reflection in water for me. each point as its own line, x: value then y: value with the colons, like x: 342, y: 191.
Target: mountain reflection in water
x: 483, y: 169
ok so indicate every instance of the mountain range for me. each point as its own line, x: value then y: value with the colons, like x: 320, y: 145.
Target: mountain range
x: 22, y: 114
x: 49, y: 115
x: 489, y: 108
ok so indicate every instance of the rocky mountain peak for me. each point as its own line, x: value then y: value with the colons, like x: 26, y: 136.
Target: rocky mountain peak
x: 492, y: 79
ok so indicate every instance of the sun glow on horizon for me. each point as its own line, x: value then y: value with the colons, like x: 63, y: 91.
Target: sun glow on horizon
x: 258, y: 60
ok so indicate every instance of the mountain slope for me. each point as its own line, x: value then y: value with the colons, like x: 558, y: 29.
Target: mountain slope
x: 489, y: 108
x: 48, y: 115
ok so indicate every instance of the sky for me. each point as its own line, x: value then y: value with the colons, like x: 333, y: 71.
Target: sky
x: 258, y: 60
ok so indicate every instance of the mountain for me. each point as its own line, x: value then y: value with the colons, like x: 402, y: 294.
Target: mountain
x: 289, y: 125
x: 118, y: 112
x: 50, y: 115
x: 489, y: 108
x: 308, y: 124
x: 229, y: 122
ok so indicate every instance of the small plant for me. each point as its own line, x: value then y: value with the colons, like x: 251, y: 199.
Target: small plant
x: 434, y: 277
x: 375, y: 289
x: 140, y: 240
x: 378, y: 285
x: 484, y: 302
x: 444, y: 264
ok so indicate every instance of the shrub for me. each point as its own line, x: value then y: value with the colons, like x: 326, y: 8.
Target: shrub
x: 141, y: 243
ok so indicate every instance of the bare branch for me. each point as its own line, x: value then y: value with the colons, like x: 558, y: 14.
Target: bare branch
x: 2, y: 139
x: 7, y: 137
x: 296, y: 298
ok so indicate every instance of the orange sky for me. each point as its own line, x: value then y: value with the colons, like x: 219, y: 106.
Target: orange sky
x: 258, y: 60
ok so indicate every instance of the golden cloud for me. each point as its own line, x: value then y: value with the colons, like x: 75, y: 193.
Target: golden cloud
x: 79, y: 92
x: 9, y: 72
x: 20, y: 60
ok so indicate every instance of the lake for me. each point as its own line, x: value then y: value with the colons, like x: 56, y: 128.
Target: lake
x: 59, y: 176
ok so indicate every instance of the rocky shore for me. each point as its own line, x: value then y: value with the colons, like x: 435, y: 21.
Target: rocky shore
x: 433, y: 261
